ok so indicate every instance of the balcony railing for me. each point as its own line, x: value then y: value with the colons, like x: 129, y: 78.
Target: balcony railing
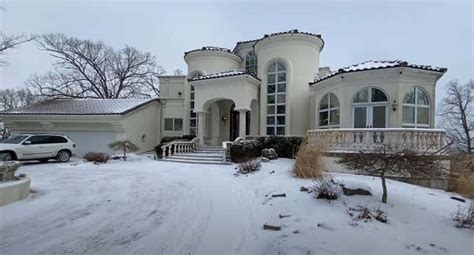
x: 368, y: 139
x: 176, y: 147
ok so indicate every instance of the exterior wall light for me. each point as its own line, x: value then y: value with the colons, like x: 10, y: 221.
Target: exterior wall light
x: 394, y: 105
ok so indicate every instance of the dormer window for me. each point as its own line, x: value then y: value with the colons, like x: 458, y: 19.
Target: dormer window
x: 251, y: 62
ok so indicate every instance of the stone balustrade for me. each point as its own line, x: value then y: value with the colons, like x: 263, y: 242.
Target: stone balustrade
x: 176, y: 147
x: 367, y: 139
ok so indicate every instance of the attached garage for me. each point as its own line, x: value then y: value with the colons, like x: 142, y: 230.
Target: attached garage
x: 91, y: 123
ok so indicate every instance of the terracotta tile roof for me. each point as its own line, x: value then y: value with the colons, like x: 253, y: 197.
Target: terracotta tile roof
x: 372, y: 65
x: 222, y: 74
x: 81, y: 107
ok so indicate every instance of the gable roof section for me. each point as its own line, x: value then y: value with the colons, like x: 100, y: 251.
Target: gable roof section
x: 373, y: 65
x: 223, y: 74
x: 83, y: 106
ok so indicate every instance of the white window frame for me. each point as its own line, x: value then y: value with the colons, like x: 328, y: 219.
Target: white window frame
x: 328, y: 110
x: 416, y: 106
x: 369, y: 107
x: 275, y: 115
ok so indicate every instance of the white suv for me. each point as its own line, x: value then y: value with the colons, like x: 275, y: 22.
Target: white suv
x: 42, y: 147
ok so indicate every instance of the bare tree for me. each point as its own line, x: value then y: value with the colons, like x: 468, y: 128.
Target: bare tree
x: 385, y: 161
x: 92, y: 69
x: 10, y: 42
x: 13, y: 98
x: 457, y: 116
x: 178, y: 72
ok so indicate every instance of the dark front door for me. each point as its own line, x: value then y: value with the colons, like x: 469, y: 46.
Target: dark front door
x: 234, y: 124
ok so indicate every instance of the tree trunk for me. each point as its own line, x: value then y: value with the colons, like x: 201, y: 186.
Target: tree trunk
x: 384, y: 187
x: 124, y: 154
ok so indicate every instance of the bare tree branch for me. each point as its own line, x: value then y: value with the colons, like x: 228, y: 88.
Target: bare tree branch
x: 92, y: 69
x: 12, y: 41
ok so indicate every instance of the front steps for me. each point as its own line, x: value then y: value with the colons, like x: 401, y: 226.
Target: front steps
x: 202, y: 155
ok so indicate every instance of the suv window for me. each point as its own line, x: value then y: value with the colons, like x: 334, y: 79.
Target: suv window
x: 39, y: 139
x: 57, y: 139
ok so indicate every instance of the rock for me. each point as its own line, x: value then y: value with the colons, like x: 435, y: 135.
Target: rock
x: 304, y: 189
x: 269, y: 153
x: 459, y: 199
x: 8, y: 169
x: 358, y: 191
x: 264, y: 160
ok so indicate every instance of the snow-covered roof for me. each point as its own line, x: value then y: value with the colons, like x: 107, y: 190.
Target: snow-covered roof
x: 83, y: 106
x: 222, y: 74
x: 210, y: 48
x: 293, y: 31
x: 377, y: 64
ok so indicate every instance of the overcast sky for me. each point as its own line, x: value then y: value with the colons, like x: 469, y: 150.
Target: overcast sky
x: 423, y: 32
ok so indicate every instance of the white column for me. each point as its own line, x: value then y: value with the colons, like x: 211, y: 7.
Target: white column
x: 242, y: 122
x: 201, y: 126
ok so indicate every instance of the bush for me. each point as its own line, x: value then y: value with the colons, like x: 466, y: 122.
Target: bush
x: 308, y: 163
x: 326, y: 188
x: 285, y: 146
x: 244, y: 150
x: 97, y: 157
x: 249, y: 166
x: 464, y: 218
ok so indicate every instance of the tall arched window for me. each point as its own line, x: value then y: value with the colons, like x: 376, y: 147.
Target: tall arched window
x: 276, y: 99
x: 416, y: 109
x: 329, y: 111
x: 251, y: 62
x: 369, y: 108
x: 192, y: 114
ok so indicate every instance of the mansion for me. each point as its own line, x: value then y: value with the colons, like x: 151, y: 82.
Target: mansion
x: 274, y: 85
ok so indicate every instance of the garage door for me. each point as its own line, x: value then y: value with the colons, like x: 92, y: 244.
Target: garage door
x: 91, y: 141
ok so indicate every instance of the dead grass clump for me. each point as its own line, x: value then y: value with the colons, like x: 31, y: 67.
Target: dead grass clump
x: 326, y: 188
x: 308, y: 162
x: 97, y: 157
x: 249, y: 166
x: 464, y: 218
x: 461, y: 179
x: 362, y: 213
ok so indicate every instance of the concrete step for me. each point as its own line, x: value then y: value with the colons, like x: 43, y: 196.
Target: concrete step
x: 208, y: 152
x: 199, y: 155
x: 196, y: 158
x: 206, y: 149
x: 197, y: 162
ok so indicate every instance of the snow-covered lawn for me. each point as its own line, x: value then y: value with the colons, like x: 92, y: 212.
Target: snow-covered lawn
x: 151, y: 207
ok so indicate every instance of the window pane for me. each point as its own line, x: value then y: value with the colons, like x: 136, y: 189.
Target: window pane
x: 169, y: 124
x: 334, y: 117
x: 192, y: 96
x: 378, y: 96
x: 270, y: 99
x: 280, y: 109
x: 281, y: 99
x: 281, y: 120
x: 379, y: 116
x: 271, y: 120
x: 281, y: 88
x: 281, y: 77
x: 271, y: 109
x: 192, y: 105
x: 280, y: 131
x: 271, y: 78
x: 192, y: 114
x: 408, y: 114
x: 421, y: 97
x: 270, y: 130
x: 362, y: 96
x: 192, y: 123
x: 360, y: 117
x: 423, y: 115
x: 178, y: 124
x: 192, y: 131
x: 334, y: 101
x: 281, y: 67
x: 324, y: 102
x: 323, y: 119
x: 409, y: 97
x: 272, y: 68
x: 271, y: 89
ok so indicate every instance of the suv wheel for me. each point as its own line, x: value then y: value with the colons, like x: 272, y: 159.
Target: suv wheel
x: 7, y: 157
x: 63, y: 156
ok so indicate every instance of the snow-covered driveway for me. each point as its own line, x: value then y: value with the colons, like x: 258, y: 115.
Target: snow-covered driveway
x: 151, y: 207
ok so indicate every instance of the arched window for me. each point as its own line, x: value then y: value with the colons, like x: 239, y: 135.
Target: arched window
x: 369, y: 108
x: 276, y: 99
x: 192, y: 114
x: 416, y: 109
x: 329, y: 111
x: 251, y: 62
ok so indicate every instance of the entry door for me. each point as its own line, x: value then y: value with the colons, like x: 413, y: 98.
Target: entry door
x: 370, y: 116
x: 234, y: 125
